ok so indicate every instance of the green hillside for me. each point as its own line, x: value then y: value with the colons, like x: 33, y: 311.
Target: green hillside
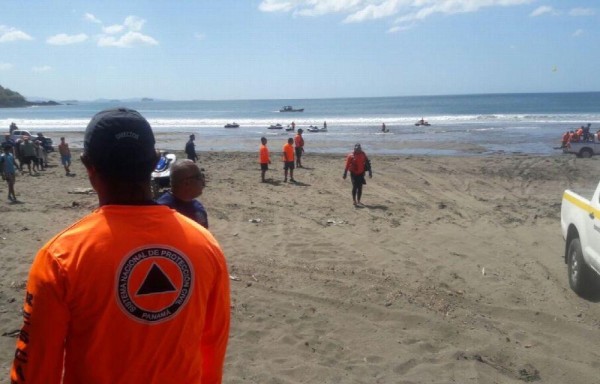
x: 11, y: 99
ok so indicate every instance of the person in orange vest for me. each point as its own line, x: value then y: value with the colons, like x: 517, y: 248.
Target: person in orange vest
x: 134, y: 292
x: 574, y: 136
x: 299, y: 147
x: 358, y: 164
x: 263, y: 158
x: 565, y: 139
x: 288, y: 160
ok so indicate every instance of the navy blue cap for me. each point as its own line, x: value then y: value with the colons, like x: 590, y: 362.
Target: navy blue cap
x: 120, y: 143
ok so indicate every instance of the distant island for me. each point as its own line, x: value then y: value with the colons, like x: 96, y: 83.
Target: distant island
x: 12, y: 99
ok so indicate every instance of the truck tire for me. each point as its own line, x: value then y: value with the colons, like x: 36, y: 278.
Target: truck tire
x: 582, y: 279
x: 586, y: 153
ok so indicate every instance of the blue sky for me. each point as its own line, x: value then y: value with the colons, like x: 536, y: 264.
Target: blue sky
x: 261, y: 49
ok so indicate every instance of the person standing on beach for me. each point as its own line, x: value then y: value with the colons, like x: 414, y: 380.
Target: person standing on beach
x: 8, y: 167
x: 28, y: 151
x: 299, y: 147
x: 357, y: 163
x: 187, y: 183
x: 288, y: 160
x: 132, y: 293
x: 190, y: 149
x: 65, y: 155
x: 263, y: 158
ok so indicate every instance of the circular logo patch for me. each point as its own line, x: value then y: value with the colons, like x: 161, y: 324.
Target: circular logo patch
x: 154, y: 283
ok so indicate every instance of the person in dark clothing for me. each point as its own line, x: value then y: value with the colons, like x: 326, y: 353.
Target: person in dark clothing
x: 190, y: 149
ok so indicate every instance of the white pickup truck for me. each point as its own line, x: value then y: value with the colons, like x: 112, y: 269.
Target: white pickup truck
x: 580, y: 224
x: 583, y: 148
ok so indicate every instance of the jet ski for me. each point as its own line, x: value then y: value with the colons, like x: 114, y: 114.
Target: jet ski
x: 161, y: 176
x: 276, y: 126
x: 232, y: 125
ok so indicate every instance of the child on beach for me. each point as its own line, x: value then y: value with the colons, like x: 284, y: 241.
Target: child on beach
x: 288, y: 160
x: 8, y: 168
x: 263, y: 158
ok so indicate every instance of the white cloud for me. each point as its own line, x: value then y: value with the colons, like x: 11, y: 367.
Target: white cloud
x: 134, y: 23
x: 113, y: 29
x: 582, y: 12
x: 43, y: 68
x: 128, y: 40
x: 5, y: 66
x: 8, y: 34
x: 199, y: 36
x: 578, y: 32
x: 276, y: 6
x: 542, y: 10
x: 406, y: 11
x: 64, y: 39
x: 92, y: 18
x: 132, y: 36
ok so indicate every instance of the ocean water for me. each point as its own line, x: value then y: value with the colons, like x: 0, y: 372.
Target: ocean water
x: 460, y: 125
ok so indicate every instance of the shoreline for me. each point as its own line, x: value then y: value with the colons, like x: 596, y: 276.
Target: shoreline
x: 315, y: 144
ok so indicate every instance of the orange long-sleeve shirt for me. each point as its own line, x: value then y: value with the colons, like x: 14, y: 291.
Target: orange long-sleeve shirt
x: 356, y: 163
x: 129, y: 294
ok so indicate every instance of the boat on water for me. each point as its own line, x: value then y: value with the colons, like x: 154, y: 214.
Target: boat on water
x: 313, y: 128
x: 289, y: 128
x: 276, y: 126
x: 232, y: 125
x: 422, y: 123
x: 289, y: 108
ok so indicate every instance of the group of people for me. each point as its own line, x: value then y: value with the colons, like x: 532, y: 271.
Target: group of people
x: 580, y: 134
x: 27, y: 152
x: 357, y: 163
x: 120, y: 273
x: 291, y: 156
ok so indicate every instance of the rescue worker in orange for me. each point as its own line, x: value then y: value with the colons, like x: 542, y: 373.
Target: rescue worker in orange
x: 299, y: 147
x: 263, y: 158
x: 132, y: 293
x: 358, y: 164
x: 565, y: 139
x: 288, y: 160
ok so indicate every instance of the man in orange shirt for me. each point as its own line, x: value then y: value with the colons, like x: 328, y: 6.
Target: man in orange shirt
x: 132, y: 293
x: 299, y: 144
x: 357, y: 163
x: 288, y: 160
x: 263, y: 158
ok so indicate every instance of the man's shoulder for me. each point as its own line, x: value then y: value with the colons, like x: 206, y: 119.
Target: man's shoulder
x: 166, y: 199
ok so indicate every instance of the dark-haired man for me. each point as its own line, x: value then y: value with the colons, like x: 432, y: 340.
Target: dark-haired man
x: 133, y: 292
